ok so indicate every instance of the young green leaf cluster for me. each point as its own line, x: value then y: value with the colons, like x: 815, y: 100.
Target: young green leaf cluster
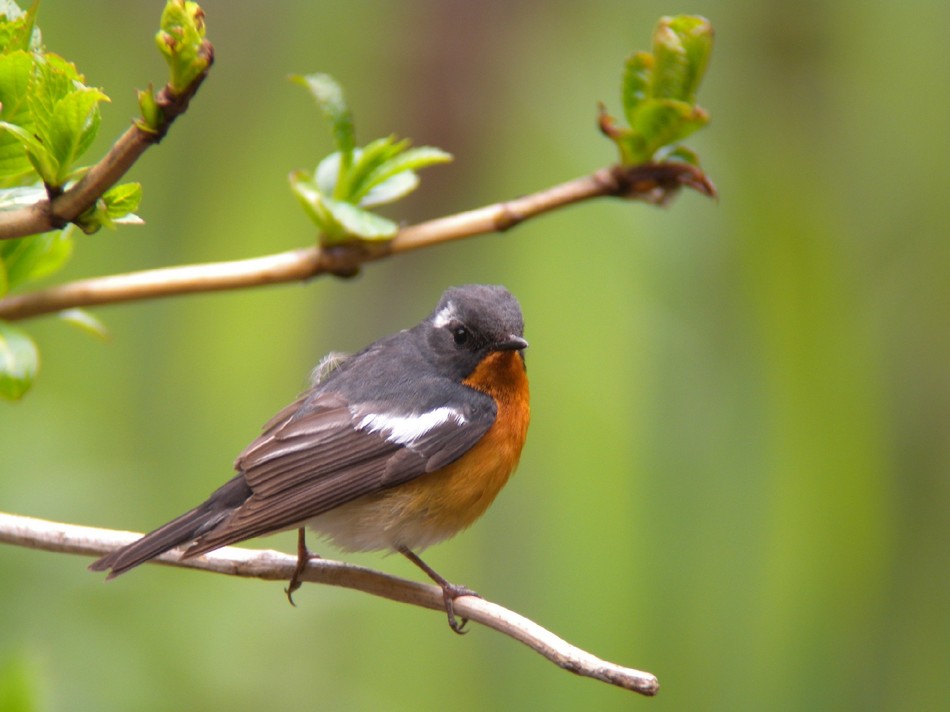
x: 53, y: 116
x: 659, y: 93
x: 180, y: 39
x: 48, y: 119
x: 337, y: 194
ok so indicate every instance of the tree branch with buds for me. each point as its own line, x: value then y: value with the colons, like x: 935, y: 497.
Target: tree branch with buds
x: 654, y: 183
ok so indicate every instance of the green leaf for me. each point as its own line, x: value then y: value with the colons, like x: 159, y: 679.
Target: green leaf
x: 16, y: 70
x: 19, y: 361
x: 327, y: 174
x: 406, y: 162
x: 310, y: 197
x: 180, y: 39
x: 30, y: 258
x: 123, y: 199
x: 18, y: 29
x: 365, y: 162
x: 671, y: 65
x: 696, y: 35
x: 72, y: 129
x: 52, y: 79
x: 113, y: 207
x: 42, y: 161
x: 338, y: 220
x: 351, y: 177
x: 66, y: 113
x: 374, y: 178
x: 391, y: 189
x: 352, y: 221
x: 61, y: 119
x: 329, y: 97
x: 664, y: 121
x: 84, y: 321
x: 152, y: 115
x: 637, y: 78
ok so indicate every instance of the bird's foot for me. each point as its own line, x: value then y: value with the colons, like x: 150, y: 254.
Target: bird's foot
x: 304, y: 556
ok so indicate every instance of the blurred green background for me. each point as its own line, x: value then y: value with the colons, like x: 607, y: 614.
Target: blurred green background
x: 737, y: 471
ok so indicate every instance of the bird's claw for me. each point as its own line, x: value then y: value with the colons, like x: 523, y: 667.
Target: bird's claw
x: 449, y: 593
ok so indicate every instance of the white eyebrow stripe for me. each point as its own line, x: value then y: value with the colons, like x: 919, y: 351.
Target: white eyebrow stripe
x: 406, y: 429
x: 444, y: 315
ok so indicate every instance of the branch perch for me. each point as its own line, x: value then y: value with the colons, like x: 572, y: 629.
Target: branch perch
x: 651, y: 182
x: 272, y: 565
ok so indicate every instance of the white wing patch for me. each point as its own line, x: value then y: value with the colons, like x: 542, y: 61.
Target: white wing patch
x: 406, y: 429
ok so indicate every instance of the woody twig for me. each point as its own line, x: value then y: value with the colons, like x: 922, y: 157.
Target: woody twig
x: 651, y: 182
x: 274, y: 566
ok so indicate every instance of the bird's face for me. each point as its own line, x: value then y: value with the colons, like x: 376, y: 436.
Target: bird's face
x: 471, y: 322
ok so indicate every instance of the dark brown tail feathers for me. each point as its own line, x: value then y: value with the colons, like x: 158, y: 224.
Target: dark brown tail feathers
x: 182, y: 530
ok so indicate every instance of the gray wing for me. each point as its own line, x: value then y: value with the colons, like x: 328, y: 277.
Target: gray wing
x: 321, y: 452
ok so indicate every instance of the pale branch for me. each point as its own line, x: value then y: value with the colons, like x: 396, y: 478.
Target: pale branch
x: 59, y: 210
x: 654, y: 183
x: 272, y: 565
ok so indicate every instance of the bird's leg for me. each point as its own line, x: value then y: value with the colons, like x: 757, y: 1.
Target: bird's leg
x: 450, y: 591
x: 304, y: 555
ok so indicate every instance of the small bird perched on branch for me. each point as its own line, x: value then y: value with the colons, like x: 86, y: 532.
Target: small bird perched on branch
x: 398, y: 447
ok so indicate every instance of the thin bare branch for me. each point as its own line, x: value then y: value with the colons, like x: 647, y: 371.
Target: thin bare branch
x: 272, y: 565
x: 55, y: 214
x: 654, y: 183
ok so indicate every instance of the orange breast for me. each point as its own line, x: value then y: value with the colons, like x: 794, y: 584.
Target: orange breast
x: 438, y: 505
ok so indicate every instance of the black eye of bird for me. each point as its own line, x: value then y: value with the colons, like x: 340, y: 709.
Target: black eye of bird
x: 461, y: 335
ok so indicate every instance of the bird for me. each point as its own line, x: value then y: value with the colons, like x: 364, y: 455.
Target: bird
x: 396, y: 447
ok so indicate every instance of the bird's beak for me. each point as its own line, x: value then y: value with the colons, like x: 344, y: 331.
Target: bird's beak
x: 512, y: 343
